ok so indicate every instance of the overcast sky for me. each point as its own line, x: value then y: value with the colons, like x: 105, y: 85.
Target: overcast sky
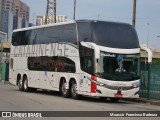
x: 148, y: 16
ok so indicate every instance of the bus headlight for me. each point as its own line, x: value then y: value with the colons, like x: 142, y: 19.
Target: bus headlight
x: 135, y: 84
x: 97, y: 83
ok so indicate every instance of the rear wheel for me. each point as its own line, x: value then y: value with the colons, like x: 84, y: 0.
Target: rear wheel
x: 64, y: 90
x: 26, y: 88
x: 20, y: 85
x: 74, y: 90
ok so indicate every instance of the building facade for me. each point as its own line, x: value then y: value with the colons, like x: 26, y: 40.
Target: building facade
x: 16, y: 6
x: 7, y: 23
x: 3, y: 36
x: 1, y: 7
x: 40, y: 20
x: 14, y: 14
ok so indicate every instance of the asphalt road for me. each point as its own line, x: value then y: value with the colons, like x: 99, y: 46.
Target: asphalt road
x: 11, y: 99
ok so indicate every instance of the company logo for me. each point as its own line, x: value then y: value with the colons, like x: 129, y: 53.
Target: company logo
x: 6, y: 114
x: 20, y: 114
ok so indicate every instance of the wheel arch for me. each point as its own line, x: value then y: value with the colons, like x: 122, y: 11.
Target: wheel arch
x: 24, y: 76
x: 61, y: 82
x: 19, y: 77
x: 73, y: 79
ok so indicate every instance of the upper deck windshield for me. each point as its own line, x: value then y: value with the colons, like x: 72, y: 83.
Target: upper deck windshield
x: 118, y: 67
x: 114, y: 35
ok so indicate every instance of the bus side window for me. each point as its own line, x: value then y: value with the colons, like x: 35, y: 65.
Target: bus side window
x: 54, y: 64
x: 86, y: 59
x: 84, y: 32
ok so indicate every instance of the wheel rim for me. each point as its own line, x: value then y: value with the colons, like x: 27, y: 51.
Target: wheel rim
x: 64, y: 90
x: 74, y: 91
x: 20, y: 84
x: 25, y: 84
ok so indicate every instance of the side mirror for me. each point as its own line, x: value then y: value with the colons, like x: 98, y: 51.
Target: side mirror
x: 150, y: 54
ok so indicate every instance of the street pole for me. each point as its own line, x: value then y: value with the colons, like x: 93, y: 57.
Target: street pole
x: 17, y: 15
x: 55, y: 11
x: 148, y: 35
x: 148, y: 65
x: 47, y: 9
x: 134, y: 13
x: 1, y: 57
x: 74, y: 14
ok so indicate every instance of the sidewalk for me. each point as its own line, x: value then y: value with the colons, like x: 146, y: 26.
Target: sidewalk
x: 145, y: 100
x: 4, y: 82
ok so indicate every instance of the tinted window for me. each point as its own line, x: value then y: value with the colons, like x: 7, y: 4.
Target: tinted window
x: 86, y: 59
x: 84, y: 33
x: 55, y: 64
x: 114, y: 35
x: 21, y: 38
x: 53, y: 34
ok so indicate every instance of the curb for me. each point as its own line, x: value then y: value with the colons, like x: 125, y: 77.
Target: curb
x: 5, y: 82
x: 144, y: 100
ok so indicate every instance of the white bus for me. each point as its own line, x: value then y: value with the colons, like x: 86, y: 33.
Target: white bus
x: 83, y: 57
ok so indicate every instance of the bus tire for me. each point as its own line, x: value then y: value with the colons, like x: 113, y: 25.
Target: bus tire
x: 74, y: 93
x: 102, y: 98
x: 25, y: 83
x: 114, y: 99
x: 65, y: 92
x: 20, y: 85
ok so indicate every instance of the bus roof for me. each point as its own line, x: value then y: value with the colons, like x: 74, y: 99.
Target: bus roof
x: 64, y: 23
x: 43, y: 26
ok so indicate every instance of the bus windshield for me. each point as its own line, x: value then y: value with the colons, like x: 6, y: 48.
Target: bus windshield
x: 118, y: 67
x: 114, y: 35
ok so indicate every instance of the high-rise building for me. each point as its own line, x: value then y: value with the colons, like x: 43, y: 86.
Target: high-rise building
x: 1, y: 5
x: 14, y: 14
x: 7, y: 23
x: 41, y: 19
x: 15, y: 6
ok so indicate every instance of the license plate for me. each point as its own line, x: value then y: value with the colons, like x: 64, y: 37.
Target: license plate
x: 118, y: 95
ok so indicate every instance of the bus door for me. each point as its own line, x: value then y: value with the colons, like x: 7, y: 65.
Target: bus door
x: 86, y: 83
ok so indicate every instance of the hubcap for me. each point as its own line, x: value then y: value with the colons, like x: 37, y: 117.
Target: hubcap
x: 74, y: 91
x: 25, y: 84
x: 64, y: 90
x: 20, y: 83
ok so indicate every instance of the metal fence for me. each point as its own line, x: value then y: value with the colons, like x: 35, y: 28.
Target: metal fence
x: 4, y: 71
x: 150, y: 81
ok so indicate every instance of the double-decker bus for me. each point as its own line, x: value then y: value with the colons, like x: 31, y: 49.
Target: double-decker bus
x: 82, y: 57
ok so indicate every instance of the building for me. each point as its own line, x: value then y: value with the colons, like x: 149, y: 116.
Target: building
x: 1, y: 7
x: 3, y: 36
x: 14, y: 14
x: 31, y: 25
x: 16, y: 6
x: 7, y: 23
x: 40, y: 20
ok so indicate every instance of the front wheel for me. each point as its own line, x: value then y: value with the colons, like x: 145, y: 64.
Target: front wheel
x: 65, y: 92
x: 74, y: 91
x: 114, y: 99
